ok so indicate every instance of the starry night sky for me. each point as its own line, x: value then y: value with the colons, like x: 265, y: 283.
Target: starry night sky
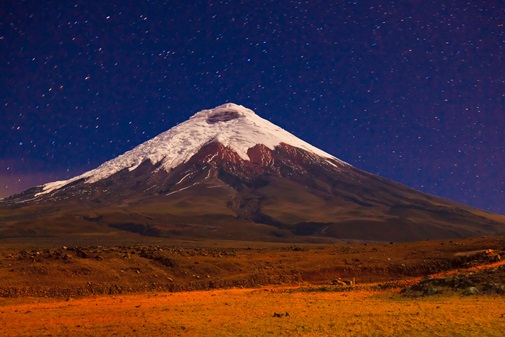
x: 411, y: 90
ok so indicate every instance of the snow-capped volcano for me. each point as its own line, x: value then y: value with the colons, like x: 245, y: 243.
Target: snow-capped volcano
x: 231, y: 125
x: 227, y: 173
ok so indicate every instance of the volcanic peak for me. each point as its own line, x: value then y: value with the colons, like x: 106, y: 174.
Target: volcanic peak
x: 231, y: 125
x: 223, y: 113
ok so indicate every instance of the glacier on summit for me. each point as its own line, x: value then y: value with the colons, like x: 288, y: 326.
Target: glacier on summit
x: 232, y: 125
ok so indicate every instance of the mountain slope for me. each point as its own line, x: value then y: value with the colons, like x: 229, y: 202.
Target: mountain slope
x: 227, y: 173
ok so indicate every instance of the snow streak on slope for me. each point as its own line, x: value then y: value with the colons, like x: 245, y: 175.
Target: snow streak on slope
x: 232, y: 125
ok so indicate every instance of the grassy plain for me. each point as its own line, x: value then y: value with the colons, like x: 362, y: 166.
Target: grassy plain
x: 246, y: 312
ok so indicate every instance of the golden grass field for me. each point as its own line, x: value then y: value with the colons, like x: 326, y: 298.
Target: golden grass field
x: 246, y: 312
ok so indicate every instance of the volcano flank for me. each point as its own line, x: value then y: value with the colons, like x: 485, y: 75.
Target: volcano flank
x: 226, y: 173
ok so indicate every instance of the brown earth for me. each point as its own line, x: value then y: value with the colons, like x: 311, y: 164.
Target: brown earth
x: 70, y: 271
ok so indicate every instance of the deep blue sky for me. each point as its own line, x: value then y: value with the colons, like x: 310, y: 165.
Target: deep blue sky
x: 411, y: 90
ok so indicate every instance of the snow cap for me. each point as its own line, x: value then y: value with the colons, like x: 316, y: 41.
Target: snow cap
x: 230, y: 124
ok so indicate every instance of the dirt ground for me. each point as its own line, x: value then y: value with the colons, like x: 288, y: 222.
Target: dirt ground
x: 258, y: 312
x: 72, y: 271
